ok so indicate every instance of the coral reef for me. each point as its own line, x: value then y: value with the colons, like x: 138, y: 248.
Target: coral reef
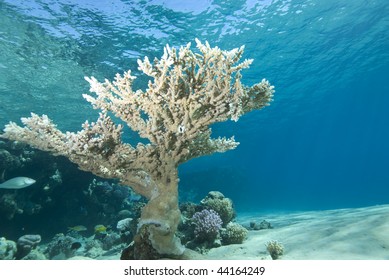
x: 202, y: 227
x: 7, y: 249
x: 70, y: 196
x: 23, y: 249
x: 207, y: 225
x: 222, y: 205
x: 189, y: 92
x: 10, y: 161
x: 32, y: 200
x: 26, y: 244
x: 62, y: 247
x: 66, y: 246
x: 200, y: 230
x: 127, y: 228
x: 13, y: 155
x: 35, y: 255
x: 233, y: 234
x: 188, y: 209
x: 106, y: 200
x: 8, y: 206
x: 7, y: 161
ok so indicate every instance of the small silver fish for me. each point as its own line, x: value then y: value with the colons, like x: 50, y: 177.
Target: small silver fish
x: 17, y: 183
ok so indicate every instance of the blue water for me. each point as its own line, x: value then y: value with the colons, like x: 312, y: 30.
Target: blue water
x: 323, y: 142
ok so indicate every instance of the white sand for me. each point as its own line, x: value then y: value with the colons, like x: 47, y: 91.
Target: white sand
x: 352, y: 234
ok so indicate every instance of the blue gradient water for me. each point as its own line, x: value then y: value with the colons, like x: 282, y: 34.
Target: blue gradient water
x: 323, y: 142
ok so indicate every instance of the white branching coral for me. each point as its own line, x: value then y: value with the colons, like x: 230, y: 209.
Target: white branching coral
x: 187, y: 93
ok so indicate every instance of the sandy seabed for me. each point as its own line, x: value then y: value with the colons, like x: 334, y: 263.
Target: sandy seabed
x: 343, y: 234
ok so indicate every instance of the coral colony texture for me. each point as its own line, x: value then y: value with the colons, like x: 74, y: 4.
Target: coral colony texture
x: 207, y: 224
x: 187, y: 93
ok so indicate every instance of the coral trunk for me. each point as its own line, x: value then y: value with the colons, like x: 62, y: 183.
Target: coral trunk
x: 161, y: 216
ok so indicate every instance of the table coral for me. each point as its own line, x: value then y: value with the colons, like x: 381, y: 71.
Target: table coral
x: 188, y: 92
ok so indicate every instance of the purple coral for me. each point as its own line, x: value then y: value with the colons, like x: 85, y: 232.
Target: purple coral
x: 207, y: 225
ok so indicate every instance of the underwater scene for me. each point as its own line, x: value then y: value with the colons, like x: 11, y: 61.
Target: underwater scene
x: 208, y: 129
